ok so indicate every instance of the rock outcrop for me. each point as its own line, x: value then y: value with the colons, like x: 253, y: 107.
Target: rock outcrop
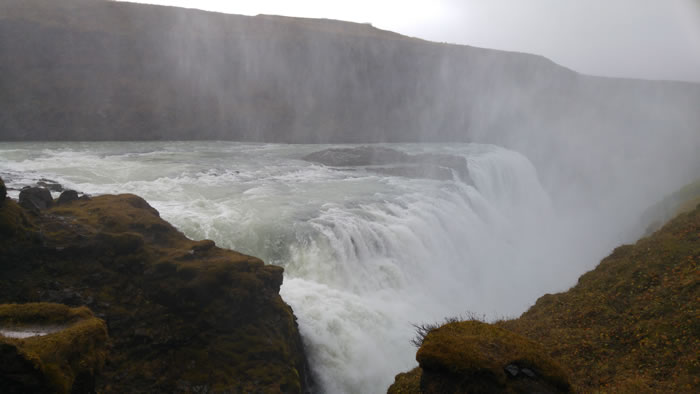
x: 50, y: 348
x: 475, y: 357
x: 183, y: 315
x: 394, y: 162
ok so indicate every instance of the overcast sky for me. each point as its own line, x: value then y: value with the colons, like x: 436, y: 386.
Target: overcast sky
x: 651, y: 39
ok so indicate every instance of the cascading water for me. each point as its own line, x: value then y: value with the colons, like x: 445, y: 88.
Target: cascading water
x: 365, y: 254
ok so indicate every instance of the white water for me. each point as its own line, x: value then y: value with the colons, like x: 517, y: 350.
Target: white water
x: 365, y: 255
x: 28, y: 332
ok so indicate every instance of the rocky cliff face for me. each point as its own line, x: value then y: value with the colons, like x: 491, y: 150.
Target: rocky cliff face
x: 183, y: 316
x: 630, y: 325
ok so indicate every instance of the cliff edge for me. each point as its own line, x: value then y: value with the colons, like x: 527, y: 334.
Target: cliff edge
x: 629, y: 325
x: 183, y: 315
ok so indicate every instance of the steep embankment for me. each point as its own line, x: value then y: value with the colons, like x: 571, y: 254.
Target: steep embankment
x: 182, y: 315
x: 630, y: 325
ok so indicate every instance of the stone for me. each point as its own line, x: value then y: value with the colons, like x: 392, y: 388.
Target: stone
x: 35, y: 198
x: 513, y: 370
x: 66, y: 197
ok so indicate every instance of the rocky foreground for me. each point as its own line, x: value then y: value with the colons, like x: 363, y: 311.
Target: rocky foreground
x: 182, y: 315
x: 630, y: 325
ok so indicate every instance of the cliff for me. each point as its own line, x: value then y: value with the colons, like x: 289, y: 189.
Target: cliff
x: 183, y: 315
x: 99, y: 70
x: 630, y: 325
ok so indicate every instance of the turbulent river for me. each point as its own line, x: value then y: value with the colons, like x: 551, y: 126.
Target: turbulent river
x: 365, y: 254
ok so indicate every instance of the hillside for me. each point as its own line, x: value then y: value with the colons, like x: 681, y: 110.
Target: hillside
x: 629, y: 325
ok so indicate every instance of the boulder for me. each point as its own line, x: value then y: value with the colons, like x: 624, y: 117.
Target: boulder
x: 67, y: 196
x: 35, y: 198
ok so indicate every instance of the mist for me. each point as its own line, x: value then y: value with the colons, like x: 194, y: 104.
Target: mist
x: 563, y: 165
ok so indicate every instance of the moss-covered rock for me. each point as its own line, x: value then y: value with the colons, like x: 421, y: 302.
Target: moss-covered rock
x: 475, y: 357
x: 407, y: 382
x: 183, y: 315
x: 66, y: 358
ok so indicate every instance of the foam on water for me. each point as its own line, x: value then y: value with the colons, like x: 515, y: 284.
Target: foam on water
x: 365, y: 255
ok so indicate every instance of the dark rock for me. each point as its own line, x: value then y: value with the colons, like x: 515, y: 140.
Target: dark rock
x: 423, y: 165
x: 528, y: 372
x: 359, y: 156
x: 215, y: 319
x: 512, y: 370
x: 3, y: 192
x: 35, y: 198
x: 49, y: 184
x: 67, y: 196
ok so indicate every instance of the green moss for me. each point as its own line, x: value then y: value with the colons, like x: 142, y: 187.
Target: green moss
x: 407, y: 382
x: 41, y: 314
x: 65, y: 359
x: 473, y: 348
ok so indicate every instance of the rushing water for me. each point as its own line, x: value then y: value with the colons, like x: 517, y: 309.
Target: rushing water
x: 365, y: 254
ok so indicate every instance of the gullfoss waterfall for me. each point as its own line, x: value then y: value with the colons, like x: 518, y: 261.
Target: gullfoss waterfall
x: 365, y: 254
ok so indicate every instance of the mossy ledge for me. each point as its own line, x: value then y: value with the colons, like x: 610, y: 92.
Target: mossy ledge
x: 629, y: 325
x: 66, y: 359
x: 183, y: 315
x: 475, y: 357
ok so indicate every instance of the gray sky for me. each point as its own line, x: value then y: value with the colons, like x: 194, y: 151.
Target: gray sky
x: 651, y: 39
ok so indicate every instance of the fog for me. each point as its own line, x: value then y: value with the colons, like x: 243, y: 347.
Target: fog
x: 645, y: 39
x: 563, y: 168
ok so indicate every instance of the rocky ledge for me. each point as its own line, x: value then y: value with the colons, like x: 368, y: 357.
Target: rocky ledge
x: 475, y: 357
x: 183, y: 315
x: 50, y: 348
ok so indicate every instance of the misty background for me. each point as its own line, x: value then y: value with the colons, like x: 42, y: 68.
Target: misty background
x: 646, y: 39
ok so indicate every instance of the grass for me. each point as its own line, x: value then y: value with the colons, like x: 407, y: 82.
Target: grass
x: 632, y: 323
